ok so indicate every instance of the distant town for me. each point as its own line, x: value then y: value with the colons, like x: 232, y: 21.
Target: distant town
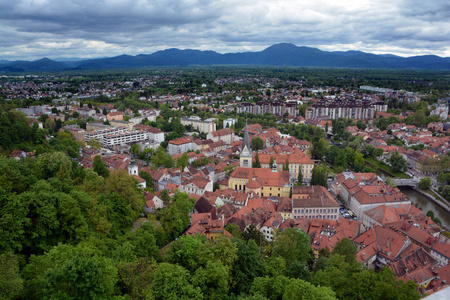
x: 263, y: 154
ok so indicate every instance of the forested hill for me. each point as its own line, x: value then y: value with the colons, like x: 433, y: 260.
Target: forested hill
x: 276, y: 55
x: 67, y: 233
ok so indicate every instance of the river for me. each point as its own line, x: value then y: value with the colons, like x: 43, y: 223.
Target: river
x: 422, y: 202
x: 426, y: 205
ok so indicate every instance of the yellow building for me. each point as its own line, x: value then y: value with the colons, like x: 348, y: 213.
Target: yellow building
x: 298, y: 162
x: 272, y: 183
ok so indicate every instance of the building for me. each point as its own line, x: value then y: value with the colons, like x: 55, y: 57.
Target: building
x: 229, y: 122
x: 117, y: 116
x: 181, y: 145
x: 350, y: 109
x: 125, y: 124
x: 246, y: 156
x: 226, y: 135
x: 206, y: 126
x: 298, y: 162
x: 313, y: 202
x: 268, y: 182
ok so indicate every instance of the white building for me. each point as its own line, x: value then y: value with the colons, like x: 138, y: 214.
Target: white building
x: 229, y: 122
x: 205, y: 126
x: 181, y: 145
x: 226, y: 135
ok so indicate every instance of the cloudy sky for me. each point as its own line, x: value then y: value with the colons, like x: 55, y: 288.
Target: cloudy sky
x: 32, y: 29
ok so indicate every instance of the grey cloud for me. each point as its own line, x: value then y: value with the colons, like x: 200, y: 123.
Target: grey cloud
x: 102, y: 28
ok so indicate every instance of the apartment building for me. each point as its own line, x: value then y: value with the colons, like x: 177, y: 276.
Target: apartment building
x: 206, y: 126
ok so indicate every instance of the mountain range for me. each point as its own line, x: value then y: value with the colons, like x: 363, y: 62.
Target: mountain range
x: 277, y: 55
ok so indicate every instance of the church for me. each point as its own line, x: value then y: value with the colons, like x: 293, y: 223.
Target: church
x: 263, y: 182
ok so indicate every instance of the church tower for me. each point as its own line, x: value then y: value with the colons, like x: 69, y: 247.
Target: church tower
x: 246, y: 155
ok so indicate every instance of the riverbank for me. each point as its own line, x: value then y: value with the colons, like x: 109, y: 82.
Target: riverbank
x: 379, y: 165
x: 435, y: 201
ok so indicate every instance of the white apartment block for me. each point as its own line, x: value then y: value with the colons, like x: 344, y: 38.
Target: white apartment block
x: 351, y: 109
x: 205, y: 126
x: 181, y: 145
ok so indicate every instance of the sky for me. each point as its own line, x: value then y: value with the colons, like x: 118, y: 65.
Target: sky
x: 33, y: 29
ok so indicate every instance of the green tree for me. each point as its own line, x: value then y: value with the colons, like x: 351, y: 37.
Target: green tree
x: 300, y: 177
x: 341, y: 159
x: 185, y: 252
x: 257, y: 143
x: 425, y: 183
x: 212, y: 280
x: 100, y: 167
x: 93, y: 142
x: 286, y: 165
x: 331, y: 153
x: 136, y: 277
x: 135, y: 149
x: 171, y: 282
x: 175, y: 217
x: 398, y: 163
x: 347, y: 249
x: 182, y: 161
x: 358, y: 161
x: 319, y: 148
x: 148, y: 178
x: 299, y: 289
x: 247, y: 267
x: 126, y: 186
x: 271, y: 162
x: 257, y: 163
x: 319, y: 176
x: 442, y: 178
x: 11, y: 284
x: 293, y: 245
x: 81, y: 277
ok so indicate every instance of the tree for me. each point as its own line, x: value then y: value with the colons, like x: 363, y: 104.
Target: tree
x: 148, y: 178
x: 300, y: 177
x: 171, y: 282
x: 347, y: 249
x: 11, y: 284
x: 175, y: 217
x: 82, y: 277
x: 331, y: 153
x: 398, y: 163
x: 182, y: 161
x: 100, y: 167
x: 319, y: 148
x: 319, y: 176
x: 341, y: 159
x: 257, y: 143
x: 360, y: 124
x: 358, y: 161
x: 442, y: 178
x: 212, y: 280
x: 286, y: 165
x: 257, y: 163
x: 135, y: 149
x: 185, y: 252
x: 425, y: 183
x: 271, y: 162
x: 247, y: 267
x: 299, y: 289
x: 293, y: 245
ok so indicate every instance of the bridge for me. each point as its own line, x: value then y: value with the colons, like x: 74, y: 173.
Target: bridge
x: 413, y: 182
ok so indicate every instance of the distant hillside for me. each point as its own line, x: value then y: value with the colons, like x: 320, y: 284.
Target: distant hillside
x: 276, y: 55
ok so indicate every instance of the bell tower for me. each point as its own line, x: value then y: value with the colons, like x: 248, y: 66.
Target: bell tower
x: 246, y: 155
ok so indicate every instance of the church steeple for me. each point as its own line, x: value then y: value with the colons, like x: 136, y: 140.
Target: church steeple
x: 246, y: 154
